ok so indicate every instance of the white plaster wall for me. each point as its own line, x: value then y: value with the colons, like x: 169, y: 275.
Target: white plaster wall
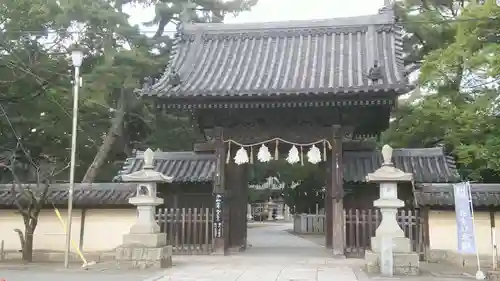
x: 103, y: 229
x: 443, y: 231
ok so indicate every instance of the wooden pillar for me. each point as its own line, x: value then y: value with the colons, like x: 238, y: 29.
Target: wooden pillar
x: 243, y: 206
x: 221, y: 216
x: 426, y: 233
x: 334, y: 207
x: 328, y: 205
x: 236, y: 186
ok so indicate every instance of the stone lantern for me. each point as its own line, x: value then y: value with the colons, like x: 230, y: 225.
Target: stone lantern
x: 391, y: 250
x: 269, y: 206
x: 145, y: 245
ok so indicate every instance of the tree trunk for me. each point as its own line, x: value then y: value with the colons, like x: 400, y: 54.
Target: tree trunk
x: 109, y: 140
x: 27, y: 255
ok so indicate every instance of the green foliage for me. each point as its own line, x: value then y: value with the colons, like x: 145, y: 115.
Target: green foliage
x: 427, y: 27
x: 304, y: 197
x: 461, y: 110
x: 36, y: 89
x: 303, y: 184
x: 258, y: 195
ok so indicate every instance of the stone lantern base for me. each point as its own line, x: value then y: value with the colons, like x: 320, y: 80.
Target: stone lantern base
x: 138, y: 256
x: 403, y: 263
x: 143, y: 251
x: 144, y: 247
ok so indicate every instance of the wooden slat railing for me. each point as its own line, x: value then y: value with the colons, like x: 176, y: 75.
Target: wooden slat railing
x: 189, y: 230
x: 360, y: 226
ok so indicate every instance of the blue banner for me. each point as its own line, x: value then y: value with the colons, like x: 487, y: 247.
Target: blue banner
x: 465, y: 222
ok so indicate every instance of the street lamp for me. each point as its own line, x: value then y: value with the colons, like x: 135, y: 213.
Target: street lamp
x: 76, y: 58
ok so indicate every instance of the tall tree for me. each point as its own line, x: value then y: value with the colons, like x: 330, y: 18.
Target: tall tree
x: 36, y: 84
x: 30, y: 194
x: 127, y: 57
x: 461, y: 110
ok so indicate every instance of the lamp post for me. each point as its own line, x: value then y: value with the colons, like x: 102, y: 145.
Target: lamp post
x: 77, y: 58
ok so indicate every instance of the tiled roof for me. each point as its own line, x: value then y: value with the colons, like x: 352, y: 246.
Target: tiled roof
x: 182, y: 166
x: 483, y: 195
x: 85, y: 195
x: 427, y: 165
x: 320, y: 57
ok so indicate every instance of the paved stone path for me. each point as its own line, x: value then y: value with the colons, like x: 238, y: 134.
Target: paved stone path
x: 274, y: 254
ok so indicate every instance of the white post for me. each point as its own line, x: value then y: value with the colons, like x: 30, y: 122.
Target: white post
x: 249, y: 212
x: 493, y: 248
x: 479, y: 274
x: 287, y: 213
x: 280, y: 214
x: 270, y: 209
x: 77, y: 58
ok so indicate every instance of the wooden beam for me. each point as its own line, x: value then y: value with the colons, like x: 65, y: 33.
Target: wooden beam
x: 208, y: 146
x: 426, y: 232
x: 334, y: 195
x: 359, y: 145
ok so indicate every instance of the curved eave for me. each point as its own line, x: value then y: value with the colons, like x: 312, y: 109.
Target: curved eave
x: 340, y: 92
x: 183, y: 167
x: 340, y: 98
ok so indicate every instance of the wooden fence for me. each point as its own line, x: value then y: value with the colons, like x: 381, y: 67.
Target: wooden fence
x: 360, y: 226
x: 189, y: 230
x: 309, y: 224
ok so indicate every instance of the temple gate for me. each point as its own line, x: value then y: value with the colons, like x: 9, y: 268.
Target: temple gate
x: 308, y: 88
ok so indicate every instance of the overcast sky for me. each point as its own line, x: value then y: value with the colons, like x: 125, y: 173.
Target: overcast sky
x: 284, y: 10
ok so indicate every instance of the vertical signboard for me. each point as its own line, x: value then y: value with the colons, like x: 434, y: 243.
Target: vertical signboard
x: 218, y: 216
x: 465, y: 221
